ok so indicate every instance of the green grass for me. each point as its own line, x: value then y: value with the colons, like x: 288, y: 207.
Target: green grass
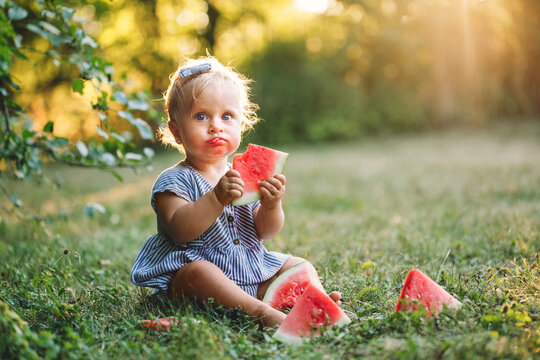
x: 462, y: 205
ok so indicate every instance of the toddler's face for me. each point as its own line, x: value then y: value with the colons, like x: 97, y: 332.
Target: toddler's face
x: 213, y: 128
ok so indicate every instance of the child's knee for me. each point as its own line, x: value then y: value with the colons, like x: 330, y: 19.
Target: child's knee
x: 190, y: 278
x: 199, y: 270
x: 295, y: 260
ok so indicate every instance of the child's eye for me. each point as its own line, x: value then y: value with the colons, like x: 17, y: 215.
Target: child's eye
x: 226, y: 117
x: 200, y: 116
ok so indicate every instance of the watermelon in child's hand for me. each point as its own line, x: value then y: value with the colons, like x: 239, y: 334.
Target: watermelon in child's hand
x: 285, y: 290
x: 419, y: 289
x: 313, y: 310
x: 258, y: 163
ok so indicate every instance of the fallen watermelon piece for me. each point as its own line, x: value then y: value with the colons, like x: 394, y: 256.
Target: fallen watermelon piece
x: 258, y: 163
x: 161, y: 324
x: 313, y: 310
x: 420, y: 289
x: 285, y: 290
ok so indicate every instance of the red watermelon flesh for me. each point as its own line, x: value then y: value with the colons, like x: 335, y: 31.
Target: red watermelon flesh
x: 258, y: 163
x: 420, y: 287
x: 285, y: 290
x: 313, y: 310
x: 161, y: 324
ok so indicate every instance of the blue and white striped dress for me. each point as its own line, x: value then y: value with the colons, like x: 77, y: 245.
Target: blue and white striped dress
x: 231, y: 243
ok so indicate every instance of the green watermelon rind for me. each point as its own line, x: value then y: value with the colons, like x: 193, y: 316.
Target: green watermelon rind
x: 291, y: 339
x: 276, y: 284
x: 249, y: 198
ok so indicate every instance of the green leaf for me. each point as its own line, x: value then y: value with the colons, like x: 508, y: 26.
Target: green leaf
x: 102, y: 133
x: 149, y: 152
x: 27, y: 134
x: 88, y: 41
x: 16, y: 201
x: 126, y: 115
x: 17, y: 40
x: 120, y: 97
x: 133, y: 156
x: 115, y: 174
x: 50, y: 28
x: 77, y: 85
x: 138, y: 105
x: 48, y: 127
x: 60, y: 141
x: 67, y: 13
x: 108, y: 158
x: 83, y: 150
x: 17, y: 13
x: 118, y: 137
x: 492, y: 318
x: 92, y: 209
x: 364, y: 291
x: 144, y: 129
x: 55, y: 40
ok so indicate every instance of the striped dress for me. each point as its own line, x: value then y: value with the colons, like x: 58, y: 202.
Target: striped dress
x: 231, y: 243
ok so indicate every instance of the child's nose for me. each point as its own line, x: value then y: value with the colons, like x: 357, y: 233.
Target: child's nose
x: 215, y: 127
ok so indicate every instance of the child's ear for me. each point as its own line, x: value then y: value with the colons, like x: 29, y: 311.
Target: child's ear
x: 173, y: 127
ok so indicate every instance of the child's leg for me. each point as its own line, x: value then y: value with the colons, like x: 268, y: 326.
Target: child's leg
x: 292, y: 261
x: 203, y: 280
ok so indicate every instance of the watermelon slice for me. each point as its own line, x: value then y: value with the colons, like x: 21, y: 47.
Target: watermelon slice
x: 161, y: 324
x: 418, y: 286
x: 258, y: 163
x: 313, y: 310
x: 285, y: 290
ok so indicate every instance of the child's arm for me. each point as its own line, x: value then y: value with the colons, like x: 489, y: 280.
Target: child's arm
x: 184, y: 220
x: 269, y: 216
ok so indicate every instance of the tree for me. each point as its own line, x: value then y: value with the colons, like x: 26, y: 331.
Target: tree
x: 23, y: 149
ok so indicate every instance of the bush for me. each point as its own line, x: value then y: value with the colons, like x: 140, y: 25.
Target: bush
x: 304, y: 99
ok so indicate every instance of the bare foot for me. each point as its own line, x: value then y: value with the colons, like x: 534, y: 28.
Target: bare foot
x: 336, y: 296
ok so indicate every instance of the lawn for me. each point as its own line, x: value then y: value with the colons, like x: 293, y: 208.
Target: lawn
x: 461, y: 205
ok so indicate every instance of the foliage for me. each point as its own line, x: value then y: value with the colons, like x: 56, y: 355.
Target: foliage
x: 470, y: 222
x: 20, y: 342
x: 307, y: 100
x: 358, y: 68
x: 23, y: 147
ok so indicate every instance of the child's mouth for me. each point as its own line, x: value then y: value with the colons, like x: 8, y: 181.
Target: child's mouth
x: 216, y: 141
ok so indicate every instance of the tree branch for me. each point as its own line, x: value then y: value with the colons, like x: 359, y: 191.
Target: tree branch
x: 58, y: 159
x: 6, y: 119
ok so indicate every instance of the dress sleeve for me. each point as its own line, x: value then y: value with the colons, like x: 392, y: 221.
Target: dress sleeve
x: 176, y: 180
x: 254, y: 205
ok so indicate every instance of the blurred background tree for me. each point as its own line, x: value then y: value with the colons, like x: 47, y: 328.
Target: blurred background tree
x: 43, y: 48
x: 324, y: 70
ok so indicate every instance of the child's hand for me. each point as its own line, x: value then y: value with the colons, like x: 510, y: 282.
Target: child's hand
x: 229, y: 187
x: 272, y: 190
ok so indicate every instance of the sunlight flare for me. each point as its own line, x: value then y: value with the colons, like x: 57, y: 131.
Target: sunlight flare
x: 312, y: 6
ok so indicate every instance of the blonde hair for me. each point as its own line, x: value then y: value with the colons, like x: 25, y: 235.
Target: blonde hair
x: 181, y: 94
